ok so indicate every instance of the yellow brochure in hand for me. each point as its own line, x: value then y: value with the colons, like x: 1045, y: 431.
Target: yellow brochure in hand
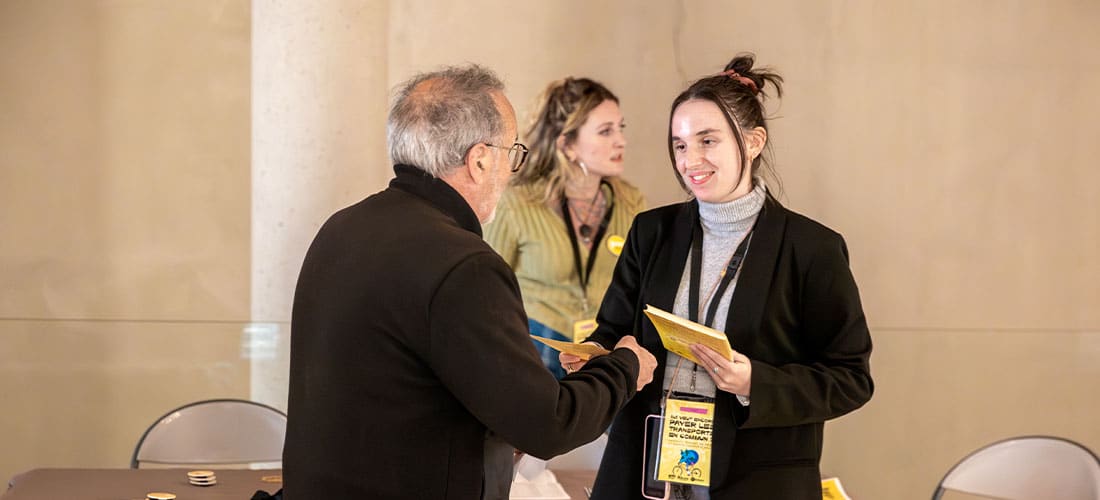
x: 678, y: 333
x: 583, y: 351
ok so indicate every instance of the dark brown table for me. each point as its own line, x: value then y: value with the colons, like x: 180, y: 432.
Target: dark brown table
x: 133, y: 484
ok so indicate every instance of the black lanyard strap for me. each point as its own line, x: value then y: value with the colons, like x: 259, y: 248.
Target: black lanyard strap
x: 697, y: 272
x: 583, y: 274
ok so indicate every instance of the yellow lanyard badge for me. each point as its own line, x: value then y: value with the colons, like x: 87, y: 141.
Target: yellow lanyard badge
x: 686, y: 442
x: 583, y: 328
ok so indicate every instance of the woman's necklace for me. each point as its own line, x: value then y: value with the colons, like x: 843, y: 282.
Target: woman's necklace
x: 585, y: 230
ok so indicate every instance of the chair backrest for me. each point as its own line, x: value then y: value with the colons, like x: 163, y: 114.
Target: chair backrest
x: 215, y: 431
x: 586, y: 457
x: 1028, y: 467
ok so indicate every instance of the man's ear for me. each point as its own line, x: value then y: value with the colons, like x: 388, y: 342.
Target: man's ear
x: 477, y: 162
x: 755, y: 140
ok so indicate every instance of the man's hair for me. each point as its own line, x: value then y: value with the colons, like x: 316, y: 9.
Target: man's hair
x: 437, y: 117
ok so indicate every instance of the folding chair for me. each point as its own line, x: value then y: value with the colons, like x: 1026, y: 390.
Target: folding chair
x: 1027, y: 467
x: 214, y: 432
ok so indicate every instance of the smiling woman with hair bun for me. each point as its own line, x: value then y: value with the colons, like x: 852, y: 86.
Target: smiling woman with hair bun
x: 775, y: 282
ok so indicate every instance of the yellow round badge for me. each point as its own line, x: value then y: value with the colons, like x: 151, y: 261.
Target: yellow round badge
x: 615, y: 244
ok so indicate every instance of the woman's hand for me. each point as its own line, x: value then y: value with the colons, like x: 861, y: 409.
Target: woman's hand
x: 572, y: 362
x: 733, y: 376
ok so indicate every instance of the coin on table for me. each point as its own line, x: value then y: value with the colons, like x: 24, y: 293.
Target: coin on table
x: 159, y: 496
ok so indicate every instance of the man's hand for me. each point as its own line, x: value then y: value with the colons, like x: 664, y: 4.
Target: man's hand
x: 646, y: 362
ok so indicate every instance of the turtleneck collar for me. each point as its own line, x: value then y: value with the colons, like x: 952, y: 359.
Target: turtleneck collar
x: 441, y: 195
x: 733, y: 215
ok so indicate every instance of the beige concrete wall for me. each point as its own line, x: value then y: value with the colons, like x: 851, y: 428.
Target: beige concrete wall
x: 951, y: 143
x: 124, y: 220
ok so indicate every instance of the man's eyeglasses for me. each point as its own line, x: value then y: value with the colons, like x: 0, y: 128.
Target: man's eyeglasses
x: 517, y: 154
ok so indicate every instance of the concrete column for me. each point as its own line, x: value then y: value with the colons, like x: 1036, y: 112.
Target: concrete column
x: 319, y: 95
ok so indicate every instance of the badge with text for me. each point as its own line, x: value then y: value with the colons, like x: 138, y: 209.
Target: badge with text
x: 583, y: 328
x: 686, y: 442
x: 615, y: 244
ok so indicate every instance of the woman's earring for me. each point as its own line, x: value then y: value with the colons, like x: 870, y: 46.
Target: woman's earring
x: 584, y: 168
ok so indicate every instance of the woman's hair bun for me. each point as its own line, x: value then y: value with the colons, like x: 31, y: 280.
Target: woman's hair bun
x: 742, y: 64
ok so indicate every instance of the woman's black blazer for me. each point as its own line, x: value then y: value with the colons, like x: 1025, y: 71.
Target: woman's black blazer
x: 795, y: 313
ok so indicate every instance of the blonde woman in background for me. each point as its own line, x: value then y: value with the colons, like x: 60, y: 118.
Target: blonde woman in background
x: 562, y: 223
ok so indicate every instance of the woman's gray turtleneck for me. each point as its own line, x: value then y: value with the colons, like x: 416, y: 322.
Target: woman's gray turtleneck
x: 724, y: 226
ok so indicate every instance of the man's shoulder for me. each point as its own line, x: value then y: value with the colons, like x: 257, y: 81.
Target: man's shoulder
x: 409, y: 224
x: 388, y: 201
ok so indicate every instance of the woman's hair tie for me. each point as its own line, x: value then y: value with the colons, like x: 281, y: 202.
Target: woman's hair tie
x: 746, y: 81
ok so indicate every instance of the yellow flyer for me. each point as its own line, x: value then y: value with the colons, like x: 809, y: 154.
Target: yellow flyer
x: 583, y: 351
x: 686, y: 442
x: 831, y: 489
x: 678, y: 333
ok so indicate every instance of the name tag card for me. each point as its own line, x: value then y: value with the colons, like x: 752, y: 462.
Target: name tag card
x: 686, y: 442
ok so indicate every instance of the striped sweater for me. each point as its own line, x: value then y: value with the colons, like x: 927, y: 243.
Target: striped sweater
x: 533, y: 239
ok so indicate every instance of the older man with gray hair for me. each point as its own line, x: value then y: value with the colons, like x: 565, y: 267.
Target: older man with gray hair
x: 411, y: 371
